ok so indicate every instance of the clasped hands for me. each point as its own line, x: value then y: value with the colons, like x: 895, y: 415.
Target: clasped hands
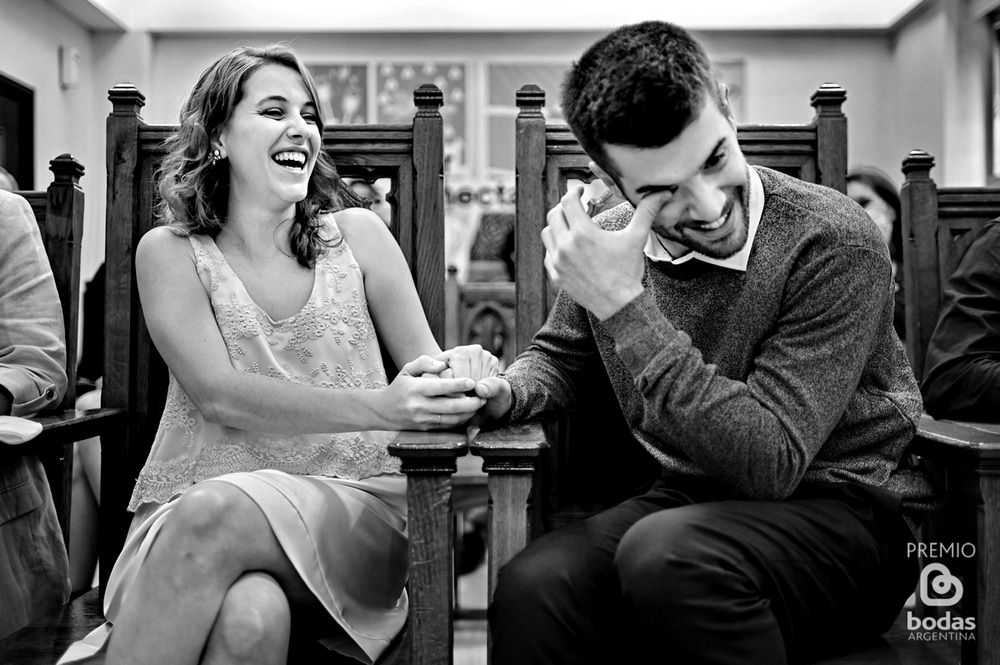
x: 439, y: 392
x: 600, y: 270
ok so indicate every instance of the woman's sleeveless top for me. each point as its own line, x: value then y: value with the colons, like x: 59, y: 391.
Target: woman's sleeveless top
x: 329, y: 343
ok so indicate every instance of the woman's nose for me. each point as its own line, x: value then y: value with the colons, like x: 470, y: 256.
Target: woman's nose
x: 296, y: 127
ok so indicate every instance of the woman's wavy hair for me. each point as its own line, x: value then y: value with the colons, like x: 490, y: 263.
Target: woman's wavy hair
x: 194, y: 193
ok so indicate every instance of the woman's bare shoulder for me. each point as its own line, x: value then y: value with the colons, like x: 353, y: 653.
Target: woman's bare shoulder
x: 162, y: 243
x: 360, y: 220
x: 364, y: 231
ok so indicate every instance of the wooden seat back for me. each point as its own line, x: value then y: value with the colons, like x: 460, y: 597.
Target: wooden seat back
x: 582, y: 479
x: 58, y: 210
x: 939, y: 224
x: 410, y: 156
x: 548, y: 156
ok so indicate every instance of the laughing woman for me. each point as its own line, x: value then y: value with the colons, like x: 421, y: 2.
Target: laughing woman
x: 268, y: 493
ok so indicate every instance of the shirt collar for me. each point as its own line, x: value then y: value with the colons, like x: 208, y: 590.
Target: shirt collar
x: 738, y: 261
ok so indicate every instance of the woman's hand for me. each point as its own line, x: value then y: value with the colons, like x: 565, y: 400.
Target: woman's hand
x: 427, y: 403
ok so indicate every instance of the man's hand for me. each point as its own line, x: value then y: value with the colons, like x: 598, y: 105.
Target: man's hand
x: 600, y: 270
x: 496, y: 391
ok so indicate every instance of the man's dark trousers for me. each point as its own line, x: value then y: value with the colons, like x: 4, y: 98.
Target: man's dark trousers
x: 685, y: 572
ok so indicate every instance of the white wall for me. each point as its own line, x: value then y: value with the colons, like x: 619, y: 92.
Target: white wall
x: 196, y: 16
x: 30, y: 36
x: 940, y: 90
x: 966, y: 97
x: 179, y: 59
x: 918, y: 88
x: 784, y: 69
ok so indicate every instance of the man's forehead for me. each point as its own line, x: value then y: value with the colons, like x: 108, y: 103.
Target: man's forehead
x: 678, y: 160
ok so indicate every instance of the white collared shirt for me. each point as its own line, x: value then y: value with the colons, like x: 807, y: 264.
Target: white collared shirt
x: 655, y: 250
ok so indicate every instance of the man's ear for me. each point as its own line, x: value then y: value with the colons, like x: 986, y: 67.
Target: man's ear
x: 724, y: 104
x: 608, y: 181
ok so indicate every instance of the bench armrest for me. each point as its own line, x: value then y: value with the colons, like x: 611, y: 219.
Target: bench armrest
x: 510, y: 458
x: 428, y: 460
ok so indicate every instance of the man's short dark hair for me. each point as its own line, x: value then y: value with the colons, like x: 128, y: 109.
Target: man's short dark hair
x: 639, y: 86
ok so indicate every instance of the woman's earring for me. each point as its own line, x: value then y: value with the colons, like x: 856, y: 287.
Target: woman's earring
x: 216, y: 156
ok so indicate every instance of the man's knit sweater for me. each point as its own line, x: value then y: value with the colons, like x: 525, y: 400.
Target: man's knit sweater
x: 787, y: 373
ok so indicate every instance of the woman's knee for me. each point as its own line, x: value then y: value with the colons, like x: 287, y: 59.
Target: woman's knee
x: 211, y: 518
x: 254, y: 621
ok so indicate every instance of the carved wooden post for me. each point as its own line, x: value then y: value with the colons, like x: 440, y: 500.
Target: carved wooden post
x: 428, y: 202
x: 121, y: 308
x: 428, y: 460
x: 831, y: 136
x: 510, y: 458
x: 919, y: 206
x: 62, y: 230
x: 530, y: 213
x: 64, y: 224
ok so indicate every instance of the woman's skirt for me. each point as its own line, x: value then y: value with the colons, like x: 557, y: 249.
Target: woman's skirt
x: 345, y: 538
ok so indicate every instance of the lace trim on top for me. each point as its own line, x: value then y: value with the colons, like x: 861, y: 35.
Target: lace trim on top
x: 329, y: 343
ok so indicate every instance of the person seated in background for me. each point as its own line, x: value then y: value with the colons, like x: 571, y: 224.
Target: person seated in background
x: 744, y: 319
x: 373, y: 199
x: 874, y: 191
x: 269, y: 498
x: 962, y: 366
x: 34, y: 572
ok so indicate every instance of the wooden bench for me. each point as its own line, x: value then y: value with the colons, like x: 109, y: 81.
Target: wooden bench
x: 536, y: 481
x: 135, y: 377
x: 58, y: 211
x: 410, y: 156
x: 548, y: 158
x: 939, y: 223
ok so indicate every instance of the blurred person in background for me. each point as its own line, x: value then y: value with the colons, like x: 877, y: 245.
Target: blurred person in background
x: 874, y: 191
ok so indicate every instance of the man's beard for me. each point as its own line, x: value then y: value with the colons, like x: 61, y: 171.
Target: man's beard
x: 732, y: 242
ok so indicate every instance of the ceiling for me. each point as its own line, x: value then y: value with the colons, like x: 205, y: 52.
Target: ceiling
x: 171, y: 16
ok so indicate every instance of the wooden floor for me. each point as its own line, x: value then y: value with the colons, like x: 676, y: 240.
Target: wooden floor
x: 893, y: 648
x: 43, y: 643
x: 470, y: 634
x: 896, y: 648
x: 470, y: 642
